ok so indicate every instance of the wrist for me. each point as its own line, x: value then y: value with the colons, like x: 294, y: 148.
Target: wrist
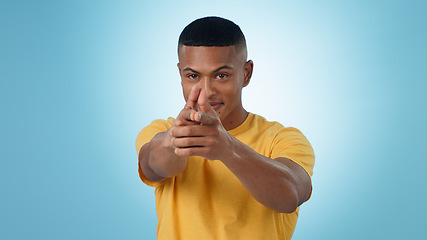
x: 165, y: 141
x: 233, y: 147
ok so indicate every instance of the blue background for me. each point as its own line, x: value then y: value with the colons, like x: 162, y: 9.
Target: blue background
x: 80, y: 79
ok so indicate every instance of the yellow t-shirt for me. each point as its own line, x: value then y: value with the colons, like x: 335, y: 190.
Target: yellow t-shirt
x: 206, y: 201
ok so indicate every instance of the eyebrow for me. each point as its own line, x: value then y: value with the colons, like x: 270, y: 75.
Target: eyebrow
x: 190, y: 69
x: 223, y: 67
x: 216, y: 70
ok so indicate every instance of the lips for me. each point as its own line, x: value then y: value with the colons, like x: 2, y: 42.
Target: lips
x: 215, y: 105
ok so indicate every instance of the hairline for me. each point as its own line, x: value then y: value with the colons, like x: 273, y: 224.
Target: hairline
x: 238, y: 47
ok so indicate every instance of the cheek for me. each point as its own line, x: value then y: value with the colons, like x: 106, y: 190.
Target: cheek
x: 186, y: 89
x: 185, y: 93
x: 231, y: 91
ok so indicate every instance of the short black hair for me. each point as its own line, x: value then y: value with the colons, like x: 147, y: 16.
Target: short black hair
x: 212, y: 32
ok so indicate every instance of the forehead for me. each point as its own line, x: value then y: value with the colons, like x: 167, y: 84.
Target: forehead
x: 210, y: 56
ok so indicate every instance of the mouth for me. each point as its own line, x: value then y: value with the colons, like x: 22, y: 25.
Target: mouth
x: 216, y: 105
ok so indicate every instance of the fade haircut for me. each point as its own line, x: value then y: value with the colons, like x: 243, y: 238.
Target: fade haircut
x: 212, y: 32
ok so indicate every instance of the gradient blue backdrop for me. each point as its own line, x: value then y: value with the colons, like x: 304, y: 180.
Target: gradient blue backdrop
x: 80, y: 79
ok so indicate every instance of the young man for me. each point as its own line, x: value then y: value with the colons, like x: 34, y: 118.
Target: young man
x: 220, y: 172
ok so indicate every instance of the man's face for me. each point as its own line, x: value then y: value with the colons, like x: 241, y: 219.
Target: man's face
x: 222, y: 72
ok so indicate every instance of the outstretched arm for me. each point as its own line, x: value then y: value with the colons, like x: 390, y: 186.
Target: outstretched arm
x: 279, y: 184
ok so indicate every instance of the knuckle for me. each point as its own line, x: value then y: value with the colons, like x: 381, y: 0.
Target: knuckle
x: 173, y: 131
x: 189, y: 151
x: 180, y: 152
x: 181, y: 113
x: 178, y: 122
x: 188, y: 142
x: 211, y: 141
x: 177, y: 142
x: 189, y: 131
x: 184, y: 113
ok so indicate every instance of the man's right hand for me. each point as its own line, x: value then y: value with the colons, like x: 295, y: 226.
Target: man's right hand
x: 157, y: 158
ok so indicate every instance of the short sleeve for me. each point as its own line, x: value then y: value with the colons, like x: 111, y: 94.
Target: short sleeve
x: 144, y: 137
x: 290, y: 143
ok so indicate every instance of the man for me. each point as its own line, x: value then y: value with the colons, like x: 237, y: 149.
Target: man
x: 220, y: 172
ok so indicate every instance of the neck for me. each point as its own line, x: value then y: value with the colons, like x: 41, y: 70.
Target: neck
x: 236, y: 120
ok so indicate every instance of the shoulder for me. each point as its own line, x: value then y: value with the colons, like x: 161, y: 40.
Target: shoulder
x: 148, y: 132
x: 272, y: 126
x: 280, y: 133
x: 288, y: 142
x: 161, y: 123
x: 158, y: 125
x: 263, y: 125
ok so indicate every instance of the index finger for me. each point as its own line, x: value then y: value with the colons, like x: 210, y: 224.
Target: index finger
x: 193, y: 97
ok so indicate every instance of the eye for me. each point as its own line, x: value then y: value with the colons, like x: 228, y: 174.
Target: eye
x: 222, y: 75
x: 192, y: 76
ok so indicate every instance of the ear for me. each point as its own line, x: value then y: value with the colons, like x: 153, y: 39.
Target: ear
x: 249, y: 67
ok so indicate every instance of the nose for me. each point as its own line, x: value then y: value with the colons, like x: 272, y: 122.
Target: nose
x: 209, y: 86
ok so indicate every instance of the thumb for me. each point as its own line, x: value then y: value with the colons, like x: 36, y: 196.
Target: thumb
x: 207, y: 118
